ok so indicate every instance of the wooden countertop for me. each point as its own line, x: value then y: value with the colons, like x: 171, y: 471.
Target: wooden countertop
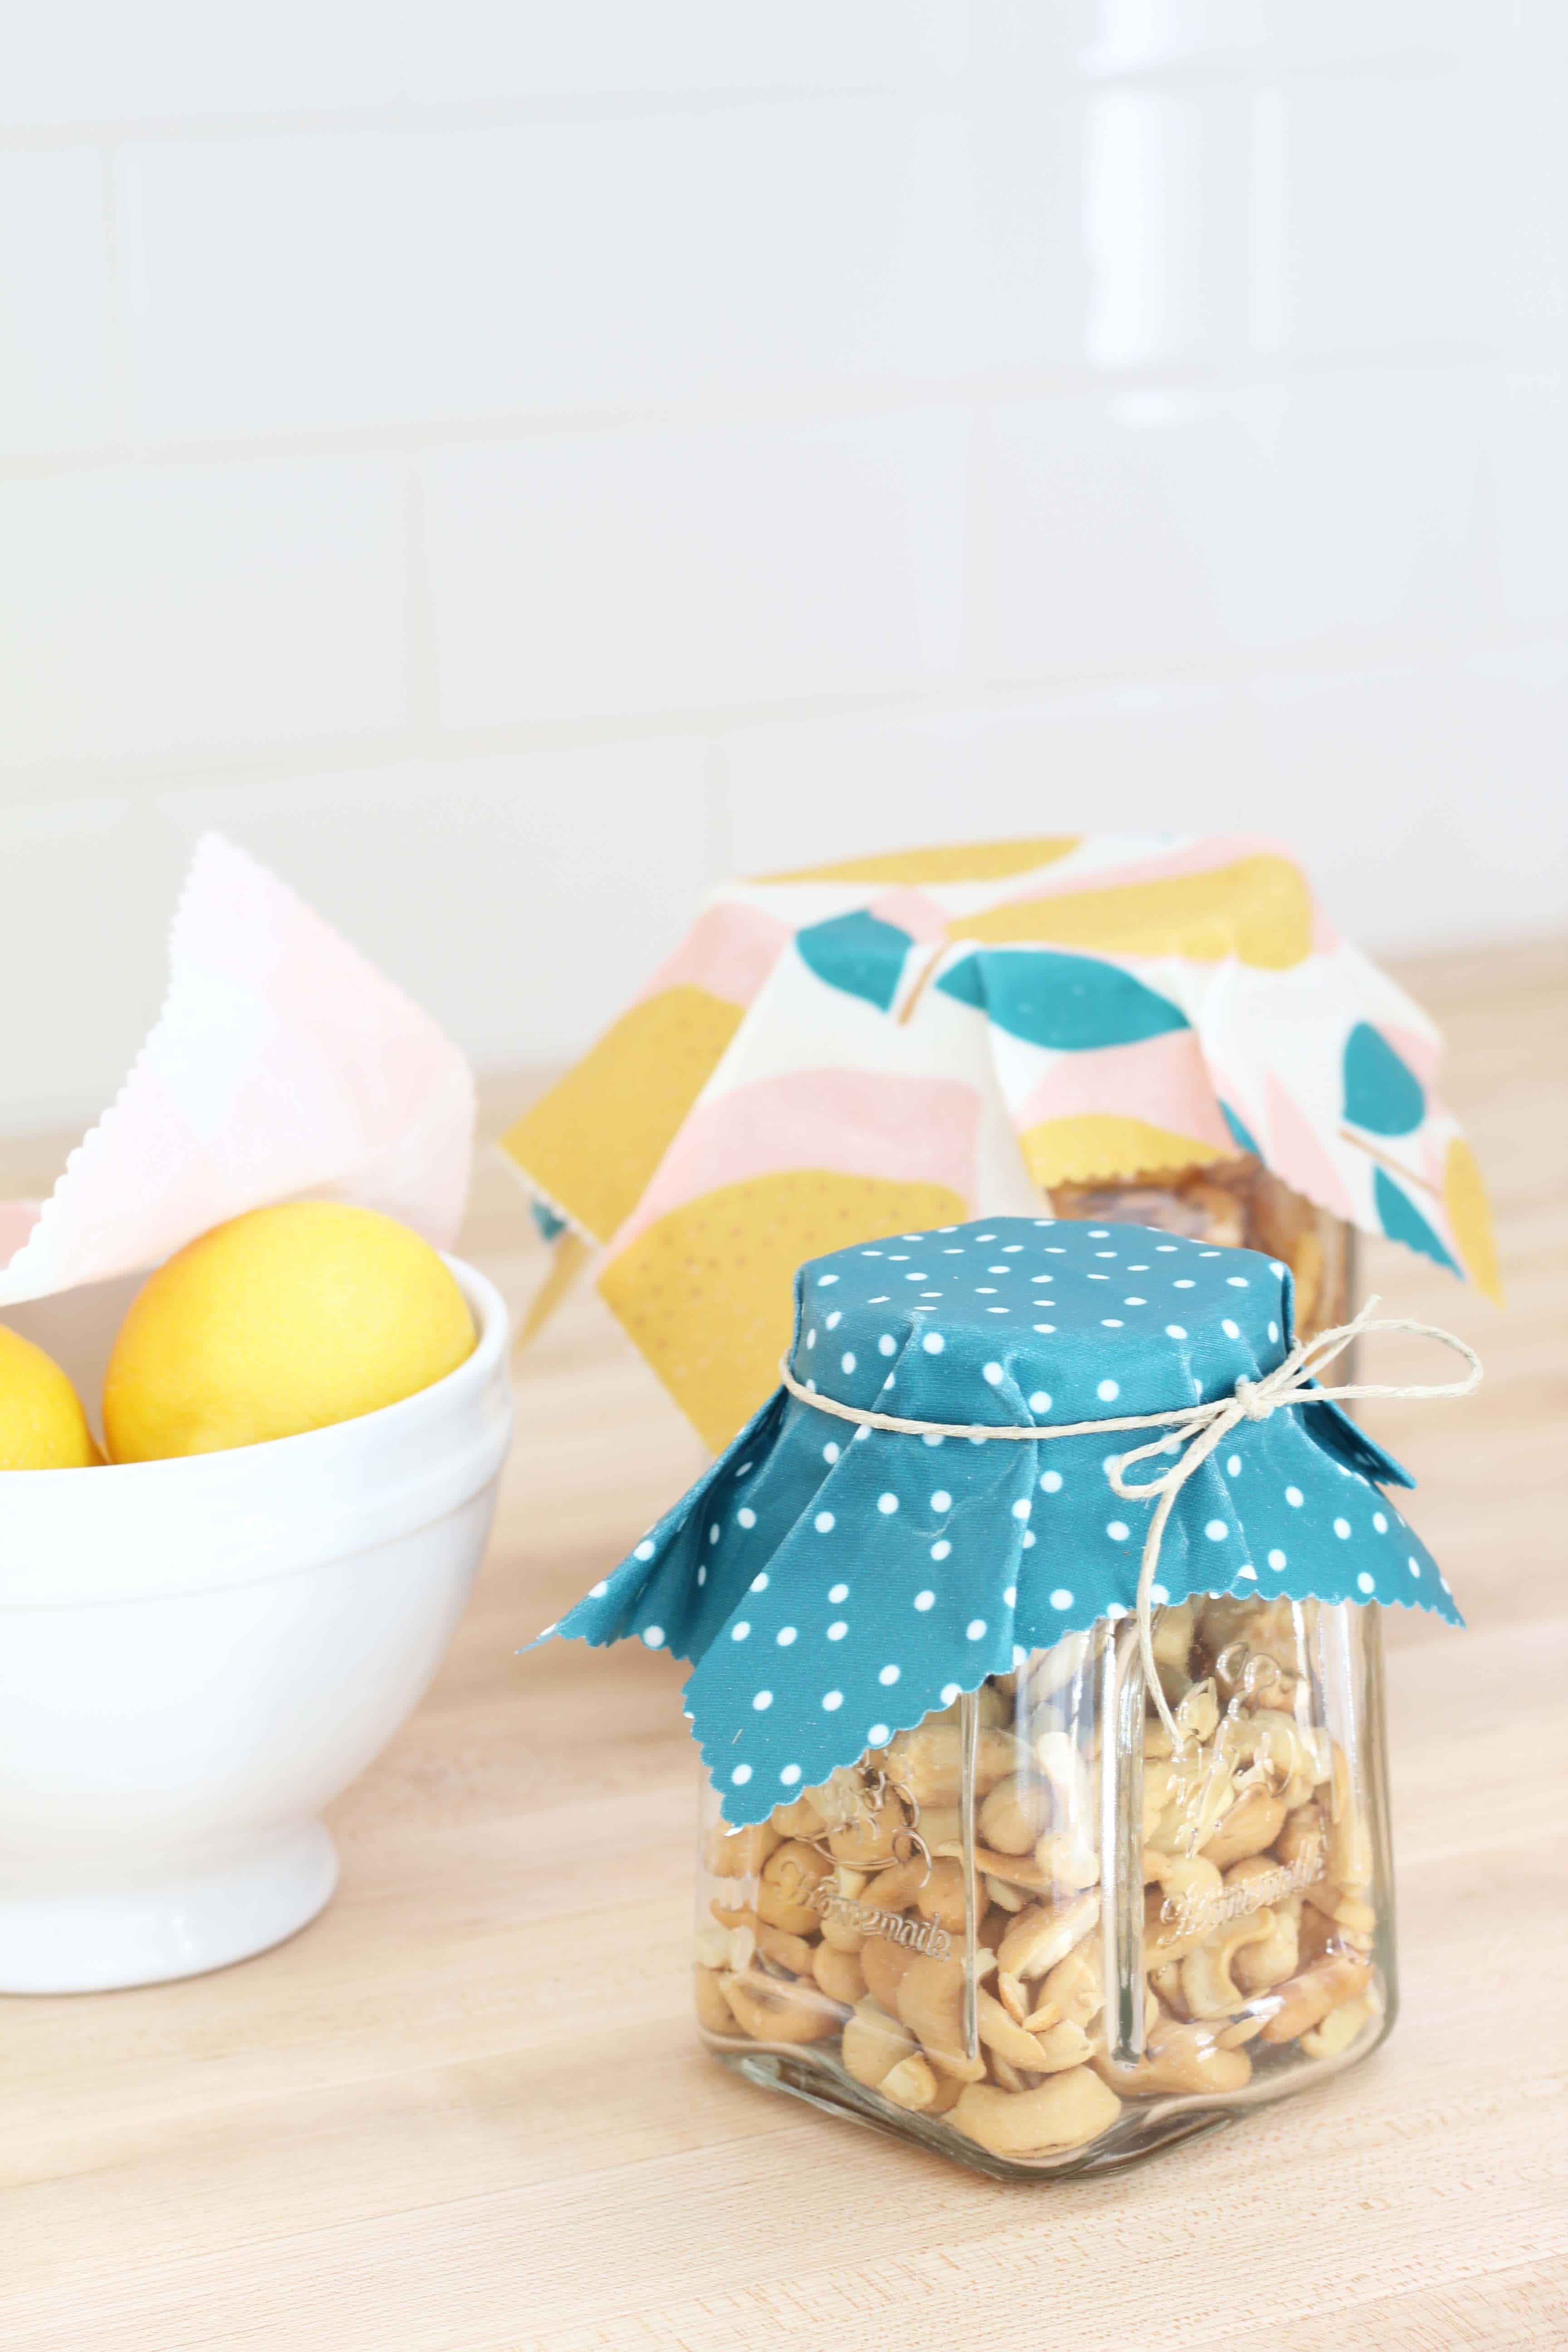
x: 465, y: 2111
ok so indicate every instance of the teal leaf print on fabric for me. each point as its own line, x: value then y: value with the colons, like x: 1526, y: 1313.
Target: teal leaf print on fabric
x: 1383, y: 1093
x: 1240, y: 1131
x: 858, y: 953
x: 1402, y: 1221
x: 1072, y: 1003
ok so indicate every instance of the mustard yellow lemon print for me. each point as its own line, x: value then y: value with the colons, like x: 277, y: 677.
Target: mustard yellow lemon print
x: 1258, y: 909
x: 707, y: 1292
x: 974, y: 861
x: 592, y: 1143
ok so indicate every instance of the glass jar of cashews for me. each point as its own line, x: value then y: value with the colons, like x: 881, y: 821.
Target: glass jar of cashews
x: 1034, y: 1630
x: 1038, y: 1935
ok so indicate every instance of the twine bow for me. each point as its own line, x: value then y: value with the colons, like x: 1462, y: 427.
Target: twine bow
x: 1200, y: 1430
x: 1197, y: 1430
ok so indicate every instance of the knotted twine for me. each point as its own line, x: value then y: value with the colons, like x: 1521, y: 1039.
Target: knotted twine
x: 1196, y: 1431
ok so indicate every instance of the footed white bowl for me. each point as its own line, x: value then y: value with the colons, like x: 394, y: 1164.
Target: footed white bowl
x: 196, y: 1655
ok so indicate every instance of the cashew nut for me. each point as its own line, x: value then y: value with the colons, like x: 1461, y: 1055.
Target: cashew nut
x: 838, y: 1798
x: 895, y: 1888
x: 949, y: 2090
x: 791, y: 1952
x: 872, y: 1837
x: 1350, y: 1833
x: 1347, y: 1911
x: 1013, y: 1995
x: 1055, y: 1862
x: 1323, y: 1938
x: 1301, y: 1844
x: 911, y: 2083
x: 737, y: 1853
x: 1062, y: 1762
x: 1007, y: 2076
x: 1043, y: 1935
x: 882, y: 1964
x: 1173, y: 1634
x: 1207, y: 1986
x: 1197, y: 1714
x: 873, y: 2044
x: 993, y: 1927
x: 1051, y: 1670
x: 941, y: 1825
x: 1179, y: 2058
x: 801, y: 1818
x: 836, y: 1931
x: 1266, y: 1625
x: 1184, y: 1799
x: 1339, y: 2029
x: 789, y: 1875
x: 1273, y: 1751
x: 1166, y: 1981
x: 1253, y: 1823
x: 1257, y: 1967
x: 1306, y: 2000
x: 770, y: 2009
x: 1015, y: 1814
x: 721, y: 1948
x: 1067, y: 1863
x: 1007, y: 2038
x: 1257, y: 1678
x: 839, y: 1974
x: 1076, y: 1985
x: 929, y: 1761
x: 1185, y: 1878
x: 1065, y: 2044
x: 1063, y: 2112
x: 1054, y: 2046
x: 931, y: 2003
x: 992, y: 1704
x: 941, y: 1897
x: 713, y: 2013
x: 730, y: 1915
x: 1169, y: 1938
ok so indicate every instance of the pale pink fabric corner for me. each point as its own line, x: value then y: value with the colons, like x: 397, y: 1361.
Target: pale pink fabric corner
x: 281, y: 1063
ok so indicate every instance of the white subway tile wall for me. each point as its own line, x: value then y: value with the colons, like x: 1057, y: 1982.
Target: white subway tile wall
x: 511, y: 464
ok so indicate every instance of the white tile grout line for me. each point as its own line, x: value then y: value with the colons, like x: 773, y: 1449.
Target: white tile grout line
x: 187, y: 768
x: 828, y: 401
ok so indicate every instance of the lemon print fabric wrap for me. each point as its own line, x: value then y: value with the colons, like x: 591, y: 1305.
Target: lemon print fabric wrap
x: 885, y: 1043
x: 42, y: 1424
x: 287, y: 1319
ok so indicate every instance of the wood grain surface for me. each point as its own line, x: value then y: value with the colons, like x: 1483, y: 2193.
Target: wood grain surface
x: 465, y: 2110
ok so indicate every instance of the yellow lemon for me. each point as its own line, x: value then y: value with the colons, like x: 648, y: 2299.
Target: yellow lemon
x: 286, y: 1319
x: 42, y: 1424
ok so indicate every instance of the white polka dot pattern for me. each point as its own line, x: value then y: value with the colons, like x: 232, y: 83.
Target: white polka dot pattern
x: 950, y: 1579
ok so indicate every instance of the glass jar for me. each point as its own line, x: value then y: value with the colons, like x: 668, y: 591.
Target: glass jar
x: 1238, y: 1204
x: 1033, y: 1934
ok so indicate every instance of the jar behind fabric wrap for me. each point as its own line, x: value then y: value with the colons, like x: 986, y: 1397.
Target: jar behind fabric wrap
x: 956, y: 1877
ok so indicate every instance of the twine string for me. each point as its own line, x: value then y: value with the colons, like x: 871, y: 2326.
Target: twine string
x: 1194, y: 1431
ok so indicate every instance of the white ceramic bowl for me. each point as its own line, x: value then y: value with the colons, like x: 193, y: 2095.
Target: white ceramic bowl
x: 196, y: 1655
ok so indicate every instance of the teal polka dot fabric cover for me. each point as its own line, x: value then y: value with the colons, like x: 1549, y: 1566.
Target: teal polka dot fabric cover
x: 832, y: 1584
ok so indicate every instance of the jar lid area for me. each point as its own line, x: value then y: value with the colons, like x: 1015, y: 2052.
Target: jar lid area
x: 1009, y: 1320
